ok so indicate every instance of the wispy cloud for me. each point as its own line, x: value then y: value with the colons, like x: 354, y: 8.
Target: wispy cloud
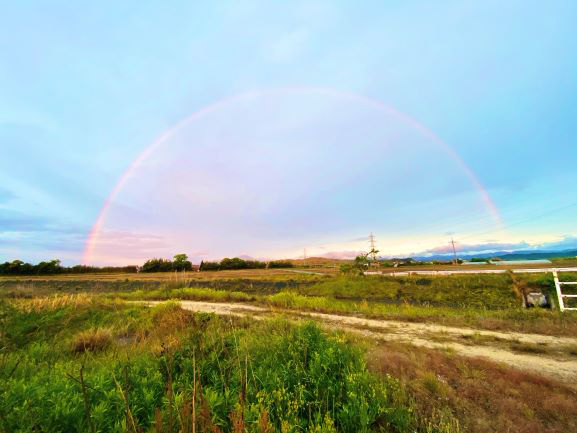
x: 348, y: 254
x: 13, y: 221
x: 565, y: 243
x: 491, y: 246
x: 6, y: 196
x: 130, y: 240
x: 359, y: 239
x: 26, y: 236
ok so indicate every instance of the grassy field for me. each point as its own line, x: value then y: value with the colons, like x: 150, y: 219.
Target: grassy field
x: 93, y: 362
x: 486, y: 290
x: 250, y: 274
x: 491, y: 301
x: 84, y: 364
x: 76, y: 355
x: 515, y: 319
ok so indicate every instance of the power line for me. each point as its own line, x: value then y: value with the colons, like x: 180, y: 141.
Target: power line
x: 472, y: 220
x: 514, y: 224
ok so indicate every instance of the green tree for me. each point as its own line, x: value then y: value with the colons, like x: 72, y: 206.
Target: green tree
x: 181, y: 263
x: 359, y: 265
x: 157, y: 265
x: 51, y: 267
x: 234, y: 263
x: 209, y: 266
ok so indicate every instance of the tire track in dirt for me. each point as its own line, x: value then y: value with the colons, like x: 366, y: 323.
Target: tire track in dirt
x: 417, y: 334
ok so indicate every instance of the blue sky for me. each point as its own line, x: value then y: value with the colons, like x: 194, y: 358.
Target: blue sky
x: 85, y: 88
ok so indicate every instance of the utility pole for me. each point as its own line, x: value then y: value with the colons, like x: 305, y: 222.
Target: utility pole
x: 305, y: 257
x: 454, y: 251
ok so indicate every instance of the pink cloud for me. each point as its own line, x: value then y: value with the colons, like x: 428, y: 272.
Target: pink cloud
x: 490, y: 246
x: 341, y: 254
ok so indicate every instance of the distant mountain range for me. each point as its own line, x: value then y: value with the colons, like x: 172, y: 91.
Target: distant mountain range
x: 504, y: 255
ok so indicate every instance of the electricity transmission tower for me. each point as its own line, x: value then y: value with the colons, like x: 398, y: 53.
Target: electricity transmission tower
x: 373, y: 252
x: 454, y: 252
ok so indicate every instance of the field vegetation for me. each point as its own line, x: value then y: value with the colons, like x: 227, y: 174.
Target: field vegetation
x: 94, y: 362
x: 517, y: 319
x: 88, y: 364
x: 476, y: 395
x: 492, y: 302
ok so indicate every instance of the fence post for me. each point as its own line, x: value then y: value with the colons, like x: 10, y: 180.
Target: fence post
x: 558, y: 290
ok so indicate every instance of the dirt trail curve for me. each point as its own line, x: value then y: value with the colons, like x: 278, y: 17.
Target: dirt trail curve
x: 428, y: 335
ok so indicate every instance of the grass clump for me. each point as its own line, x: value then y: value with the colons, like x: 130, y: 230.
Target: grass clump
x: 92, y: 340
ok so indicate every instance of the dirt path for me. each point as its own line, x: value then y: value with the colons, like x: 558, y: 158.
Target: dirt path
x: 487, y: 344
x: 215, y: 307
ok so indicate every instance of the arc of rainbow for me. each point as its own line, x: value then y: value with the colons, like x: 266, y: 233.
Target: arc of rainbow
x: 426, y: 132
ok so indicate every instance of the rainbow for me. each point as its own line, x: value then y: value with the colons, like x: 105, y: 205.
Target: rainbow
x: 166, y: 135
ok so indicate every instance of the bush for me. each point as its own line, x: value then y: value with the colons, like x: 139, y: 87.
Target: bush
x: 280, y: 264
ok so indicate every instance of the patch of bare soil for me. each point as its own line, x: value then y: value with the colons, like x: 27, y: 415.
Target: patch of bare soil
x: 215, y: 307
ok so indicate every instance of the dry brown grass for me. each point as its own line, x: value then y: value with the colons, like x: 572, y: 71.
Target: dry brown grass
x: 92, y: 340
x: 165, y: 330
x: 483, y: 396
x: 249, y: 274
x: 50, y: 303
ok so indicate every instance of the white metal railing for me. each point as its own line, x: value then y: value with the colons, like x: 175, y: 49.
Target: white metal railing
x: 560, y: 295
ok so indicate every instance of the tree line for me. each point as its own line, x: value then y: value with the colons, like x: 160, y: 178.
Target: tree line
x: 179, y: 263
x: 52, y: 267
x: 238, y: 263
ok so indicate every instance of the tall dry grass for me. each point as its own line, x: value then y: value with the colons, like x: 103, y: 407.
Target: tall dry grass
x: 54, y: 302
x: 92, y: 340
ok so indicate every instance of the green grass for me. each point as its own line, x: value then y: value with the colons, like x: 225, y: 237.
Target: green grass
x: 490, y: 291
x: 188, y: 293
x: 499, y: 291
x: 540, y: 321
x: 241, y: 375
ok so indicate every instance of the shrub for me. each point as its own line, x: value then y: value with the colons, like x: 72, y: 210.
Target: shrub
x: 276, y: 264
